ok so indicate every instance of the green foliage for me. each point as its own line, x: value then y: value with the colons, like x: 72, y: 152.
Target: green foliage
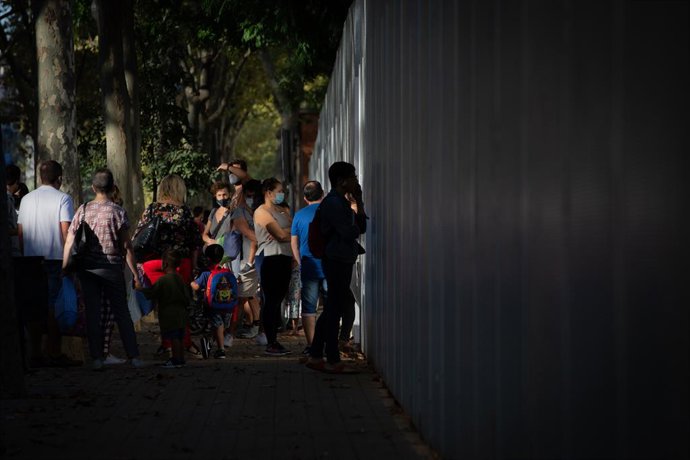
x: 189, y: 164
x: 18, y: 62
x: 91, y: 146
x: 302, y: 35
x: 257, y: 142
x: 315, y: 92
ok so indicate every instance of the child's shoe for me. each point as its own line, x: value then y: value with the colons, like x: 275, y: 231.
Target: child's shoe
x: 219, y: 354
x: 228, y: 340
x: 170, y: 364
x: 138, y: 363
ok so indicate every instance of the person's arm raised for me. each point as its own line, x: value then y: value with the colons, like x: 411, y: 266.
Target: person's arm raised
x: 239, y: 172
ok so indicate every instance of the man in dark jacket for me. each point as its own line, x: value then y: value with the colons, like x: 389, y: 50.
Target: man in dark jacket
x: 342, y: 222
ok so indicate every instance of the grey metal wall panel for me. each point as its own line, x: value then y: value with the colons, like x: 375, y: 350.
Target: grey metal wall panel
x: 523, y: 165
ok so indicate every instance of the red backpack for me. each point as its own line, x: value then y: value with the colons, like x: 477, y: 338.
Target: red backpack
x: 221, y: 289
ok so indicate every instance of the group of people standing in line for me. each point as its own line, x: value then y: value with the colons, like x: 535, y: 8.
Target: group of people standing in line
x: 274, y: 248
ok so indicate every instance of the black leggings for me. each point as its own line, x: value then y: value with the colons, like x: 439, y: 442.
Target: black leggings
x: 275, y: 281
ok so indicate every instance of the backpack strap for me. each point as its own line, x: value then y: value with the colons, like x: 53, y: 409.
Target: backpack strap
x: 214, y: 232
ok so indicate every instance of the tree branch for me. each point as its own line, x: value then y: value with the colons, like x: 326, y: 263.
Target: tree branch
x: 230, y: 91
x: 282, y: 101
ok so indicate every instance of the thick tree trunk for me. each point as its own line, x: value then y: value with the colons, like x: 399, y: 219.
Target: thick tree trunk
x: 116, y: 104
x: 57, y: 132
x: 132, y: 79
x: 11, y: 366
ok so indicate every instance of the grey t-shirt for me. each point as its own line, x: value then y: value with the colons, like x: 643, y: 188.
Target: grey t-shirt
x: 225, y: 227
x: 271, y: 247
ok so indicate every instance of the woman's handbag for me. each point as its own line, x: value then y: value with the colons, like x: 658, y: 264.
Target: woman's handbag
x: 79, y: 247
x: 145, y: 241
x: 232, y: 244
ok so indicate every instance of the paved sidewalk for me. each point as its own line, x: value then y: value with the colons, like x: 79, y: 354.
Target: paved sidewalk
x: 247, y: 406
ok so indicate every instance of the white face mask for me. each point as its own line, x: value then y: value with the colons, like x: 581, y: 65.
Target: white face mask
x: 250, y: 202
x: 233, y: 179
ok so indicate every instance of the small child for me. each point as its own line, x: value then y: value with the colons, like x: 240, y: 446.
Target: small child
x: 219, y: 319
x: 173, y: 297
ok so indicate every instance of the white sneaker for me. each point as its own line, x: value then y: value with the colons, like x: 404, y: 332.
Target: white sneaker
x: 138, y: 363
x: 97, y: 365
x: 261, y: 339
x: 228, y: 340
x: 110, y: 359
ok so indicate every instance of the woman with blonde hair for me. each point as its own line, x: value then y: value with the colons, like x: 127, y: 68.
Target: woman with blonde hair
x: 177, y: 231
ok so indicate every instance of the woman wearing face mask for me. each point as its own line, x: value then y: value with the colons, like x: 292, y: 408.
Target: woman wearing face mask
x: 272, y: 225
x: 219, y: 221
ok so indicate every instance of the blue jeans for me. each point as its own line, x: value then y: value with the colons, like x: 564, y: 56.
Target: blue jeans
x: 311, y: 288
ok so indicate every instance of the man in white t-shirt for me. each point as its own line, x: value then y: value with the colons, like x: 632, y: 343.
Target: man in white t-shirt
x: 44, y: 217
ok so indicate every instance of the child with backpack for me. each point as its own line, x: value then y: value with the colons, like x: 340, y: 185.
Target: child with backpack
x: 220, y: 297
x: 173, y: 297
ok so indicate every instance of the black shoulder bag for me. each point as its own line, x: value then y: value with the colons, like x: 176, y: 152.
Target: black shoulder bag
x: 79, y: 246
x: 145, y: 242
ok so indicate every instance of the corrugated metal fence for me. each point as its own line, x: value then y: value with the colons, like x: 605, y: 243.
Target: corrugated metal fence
x: 524, y: 164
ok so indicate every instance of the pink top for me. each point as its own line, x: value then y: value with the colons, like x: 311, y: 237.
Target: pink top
x: 104, y: 222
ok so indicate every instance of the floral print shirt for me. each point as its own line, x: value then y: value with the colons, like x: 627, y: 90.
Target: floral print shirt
x: 177, y: 229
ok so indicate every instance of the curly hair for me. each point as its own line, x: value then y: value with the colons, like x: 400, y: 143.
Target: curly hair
x: 220, y: 186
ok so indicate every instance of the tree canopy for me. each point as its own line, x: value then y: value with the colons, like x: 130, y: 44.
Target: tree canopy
x: 213, y: 80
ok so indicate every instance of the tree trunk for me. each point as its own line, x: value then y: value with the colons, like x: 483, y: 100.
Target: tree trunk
x: 197, y: 97
x: 286, y: 157
x: 56, y: 91
x: 116, y: 104
x: 132, y: 79
x: 12, y: 375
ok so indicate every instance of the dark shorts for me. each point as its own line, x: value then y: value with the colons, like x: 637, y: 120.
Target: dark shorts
x: 218, y: 318
x: 173, y: 334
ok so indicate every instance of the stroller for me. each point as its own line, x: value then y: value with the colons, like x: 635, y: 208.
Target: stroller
x: 220, y: 294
